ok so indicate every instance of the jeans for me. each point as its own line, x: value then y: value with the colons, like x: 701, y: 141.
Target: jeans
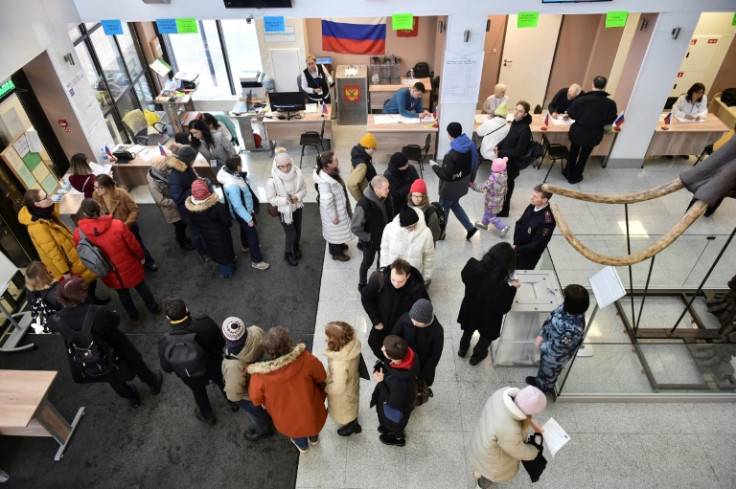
x: 293, y: 232
x: 249, y: 238
x: 145, y: 294
x: 150, y: 262
x: 458, y: 211
x: 304, y: 441
x: 481, y: 348
x: 227, y: 270
x: 575, y: 163
x: 257, y: 415
x: 369, y: 254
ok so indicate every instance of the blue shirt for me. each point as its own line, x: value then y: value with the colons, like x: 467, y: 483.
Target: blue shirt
x: 403, y: 103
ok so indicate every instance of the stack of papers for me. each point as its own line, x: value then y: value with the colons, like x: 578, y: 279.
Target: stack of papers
x: 554, y: 436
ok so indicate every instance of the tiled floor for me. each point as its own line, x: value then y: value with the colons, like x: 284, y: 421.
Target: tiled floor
x: 626, y: 445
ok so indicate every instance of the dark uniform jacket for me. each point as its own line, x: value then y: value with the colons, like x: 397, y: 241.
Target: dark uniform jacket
x: 591, y: 111
x: 427, y: 342
x: 532, y: 233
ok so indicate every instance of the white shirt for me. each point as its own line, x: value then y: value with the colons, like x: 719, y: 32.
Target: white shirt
x: 305, y: 85
x: 698, y: 109
x: 492, y: 103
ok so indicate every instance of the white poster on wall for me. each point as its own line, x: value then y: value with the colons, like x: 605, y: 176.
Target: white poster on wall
x: 461, y: 77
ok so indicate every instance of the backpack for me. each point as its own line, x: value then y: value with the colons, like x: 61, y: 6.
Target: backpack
x: 381, y: 277
x: 728, y: 97
x: 185, y: 355
x: 439, y: 212
x: 93, y: 257
x: 421, y: 70
x: 533, y: 151
x: 90, y: 359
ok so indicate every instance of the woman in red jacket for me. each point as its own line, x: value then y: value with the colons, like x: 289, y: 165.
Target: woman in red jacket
x: 118, y: 243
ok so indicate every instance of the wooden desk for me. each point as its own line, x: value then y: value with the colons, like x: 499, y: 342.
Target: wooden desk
x: 292, y: 129
x: 173, y: 104
x: 686, y: 138
x: 380, y: 93
x: 392, y: 137
x: 26, y: 411
x: 135, y: 171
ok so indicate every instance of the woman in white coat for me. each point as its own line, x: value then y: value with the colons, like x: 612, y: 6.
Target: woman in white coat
x: 285, y: 190
x: 343, y: 378
x: 408, y: 237
x: 498, y: 443
x: 334, y: 207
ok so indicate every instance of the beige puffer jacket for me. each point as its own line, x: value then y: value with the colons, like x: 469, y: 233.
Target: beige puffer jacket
x: 233, y: 369
x: 343, y: 382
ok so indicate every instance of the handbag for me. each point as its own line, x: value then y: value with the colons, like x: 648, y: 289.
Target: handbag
x: 272, y: 210
x: 423, y: 392
x: 535, y: 467
x: 363, y: 369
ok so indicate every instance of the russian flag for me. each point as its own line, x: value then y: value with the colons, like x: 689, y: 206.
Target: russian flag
x: 668, y: 119
x: 354, y: 36
x: 161, y: 150
x: 619, y: 120
x: 546, y: 120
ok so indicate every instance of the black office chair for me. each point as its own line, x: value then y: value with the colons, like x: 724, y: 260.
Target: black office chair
x: 311, y: 138
x: 555, y: 152
x: 413, y: 152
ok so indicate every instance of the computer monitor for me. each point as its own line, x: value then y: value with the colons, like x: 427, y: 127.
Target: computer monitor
x: 286, y: 101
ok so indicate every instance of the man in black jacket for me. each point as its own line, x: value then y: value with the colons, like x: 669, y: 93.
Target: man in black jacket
x: 533, y: 230
x: 400, y: 175
x: 372, y: 212
x: 514, y: 146
x: 425, y: 335
x: 591, y: 112
x: 390, y: 293
x: 562, y: 100
x: 211, y: 343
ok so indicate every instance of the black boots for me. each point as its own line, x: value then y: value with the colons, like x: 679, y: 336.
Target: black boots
x: 350, y: 428
x: 297, y: 251
x: 291, y: 259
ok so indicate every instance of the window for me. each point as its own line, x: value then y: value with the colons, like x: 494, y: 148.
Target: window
x: 242, y: 47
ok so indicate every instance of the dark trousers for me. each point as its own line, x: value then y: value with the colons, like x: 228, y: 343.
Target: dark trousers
x: 150, y: 262
x: 293, y: 232
x: 369, y: 254
x: 145, y: 294
x: 249, y: 239
x: 336, y: 249
x: 576, y: 161
x: 180, y: 229
x: 481, y: 348
x: 528, y: 261
x: 197, y: 239
x: 257, y: 415
x: 198, y: 386
x: 507, y: 200
x: 123, y: 389
x: 375, y: 340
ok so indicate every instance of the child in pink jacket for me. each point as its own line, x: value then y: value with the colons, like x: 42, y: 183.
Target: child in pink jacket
x: 495, y: 192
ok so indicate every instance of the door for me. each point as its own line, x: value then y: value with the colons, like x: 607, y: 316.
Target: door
x: 285, y: 64
x: 527, y: 58
x: 696, y: 62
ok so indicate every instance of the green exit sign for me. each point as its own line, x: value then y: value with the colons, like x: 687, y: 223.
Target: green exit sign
x: 6, y: 88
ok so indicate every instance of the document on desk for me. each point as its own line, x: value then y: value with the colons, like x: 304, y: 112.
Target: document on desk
x: 554, y: 436
x: 461, y: 77
x: 682, y: 119
x: 386, y: 118
x: 562, y: 122
x: 147, y: 154
x: 310, y: 108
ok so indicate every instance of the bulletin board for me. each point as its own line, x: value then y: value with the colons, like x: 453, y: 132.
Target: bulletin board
x: 28, y: 161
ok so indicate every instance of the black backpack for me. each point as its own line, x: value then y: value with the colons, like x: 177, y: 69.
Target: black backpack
x: 728, y: 97
x: 534, y: 151
x: 185, y: 355
x: 421, y: 70
x: 90, y: 358
x: 439, y: 212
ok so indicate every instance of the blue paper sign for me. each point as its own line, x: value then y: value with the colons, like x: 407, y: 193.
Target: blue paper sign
x: 273, y: 24
x: 167, y: 26
x: 112, y: 27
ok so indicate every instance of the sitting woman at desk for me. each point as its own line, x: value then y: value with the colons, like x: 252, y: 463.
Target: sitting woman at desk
x: 316, y: 81
x: 494, y: 101
x: 692, y: 106
x: 81, y: 176
x: 407, y: 102
x: 211, y: 144
x: 116, y: 201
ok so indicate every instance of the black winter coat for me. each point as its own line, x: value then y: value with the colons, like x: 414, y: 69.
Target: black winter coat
x: 399, y: 185
x: 427, y: 342
x: 591, y: 112
x: 180, y: 187
x: 384, y: 303
x: 485, y: 301
x: 213, y: 221
x: 207, y: 334
x: 454, y: 174
x: 398, y: 390
x: 106, y: 334
x: 515, y: 144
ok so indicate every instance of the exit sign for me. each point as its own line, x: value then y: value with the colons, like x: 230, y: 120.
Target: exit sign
x: 6, y: 88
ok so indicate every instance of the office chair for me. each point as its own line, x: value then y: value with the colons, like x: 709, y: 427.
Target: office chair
x: 311, y: 138
x: 413, y: 152
x: 136, y: 125
x: 555, y: 152
x: 230, y: 127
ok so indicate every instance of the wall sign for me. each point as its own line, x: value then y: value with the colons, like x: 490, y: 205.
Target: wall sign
x: 112, y: 27
x: 527, y: 19
x: 167, y: 26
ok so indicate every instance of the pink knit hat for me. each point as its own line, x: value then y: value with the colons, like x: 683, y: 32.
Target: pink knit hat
x: 530, y: 400
x: 499, y: 164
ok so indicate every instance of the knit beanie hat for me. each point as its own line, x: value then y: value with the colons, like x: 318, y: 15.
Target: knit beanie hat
x: 422, y: 311
x: 530, y: 400
x: 233, y: 330
x: 407, y: 217
x: 368, y: 141
x: 199, y: 190
x: 187, y: 154
x: 419, y: 186
x: 398, y: 160
x: 454, y: 129
x: 499, y: 164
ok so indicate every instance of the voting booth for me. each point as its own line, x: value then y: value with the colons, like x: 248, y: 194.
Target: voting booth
x: 538, y: 295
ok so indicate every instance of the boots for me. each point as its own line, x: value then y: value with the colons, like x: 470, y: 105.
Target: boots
x: 297, y: 251
x: 291, y: 259
x: 350, y: 428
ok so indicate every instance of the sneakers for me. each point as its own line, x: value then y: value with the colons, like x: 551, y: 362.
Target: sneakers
x: 480, y: 225
x: 158, y: 380
x: 313, y: 440
x: 301, y: 450
x: 350, y: 428
x: 261, y: 265
x: 471, y: 233
x: 210, y: 421
x: 393, y: 440
x: 504, y: 231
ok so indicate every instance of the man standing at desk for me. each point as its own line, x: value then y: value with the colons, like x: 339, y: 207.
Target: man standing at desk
x: 563, y: 99
x: 316, y: 81
x: 407, y: 102
x: 591, y: 112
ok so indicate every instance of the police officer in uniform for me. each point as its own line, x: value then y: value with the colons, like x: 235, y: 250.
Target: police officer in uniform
x: 533, y: 230
x: 316, y: 81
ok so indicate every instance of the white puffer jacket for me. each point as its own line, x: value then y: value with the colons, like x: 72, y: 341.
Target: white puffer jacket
x: 497, y: 445
x: 333, y: 204
x: 416, y: 247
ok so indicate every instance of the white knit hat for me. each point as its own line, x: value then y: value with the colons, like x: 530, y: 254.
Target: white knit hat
x: 233, y: 329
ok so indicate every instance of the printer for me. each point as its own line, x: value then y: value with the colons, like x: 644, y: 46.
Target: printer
x: 251, y: 84
x: 189, y: 81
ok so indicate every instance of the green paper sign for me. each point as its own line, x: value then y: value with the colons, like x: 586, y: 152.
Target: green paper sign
x: 6, y: 87
x: 733, y: 21
x: 187, y: 26
x: 402, y: 21
x: 32, y: 160
x: 527, y: 19
x: 616, y: 19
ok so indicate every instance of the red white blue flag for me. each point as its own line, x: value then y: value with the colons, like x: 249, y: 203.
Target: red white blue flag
x: 546, y: 120
x: 161, y: 150
x: 619, y: 120
x: 668, y: 118
x: 354, y: 35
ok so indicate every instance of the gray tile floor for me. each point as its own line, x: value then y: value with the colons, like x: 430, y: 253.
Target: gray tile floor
x: 626, y: 445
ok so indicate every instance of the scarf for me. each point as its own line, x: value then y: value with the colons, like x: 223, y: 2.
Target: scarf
x: 281, y: 181
x: 42, y: 212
